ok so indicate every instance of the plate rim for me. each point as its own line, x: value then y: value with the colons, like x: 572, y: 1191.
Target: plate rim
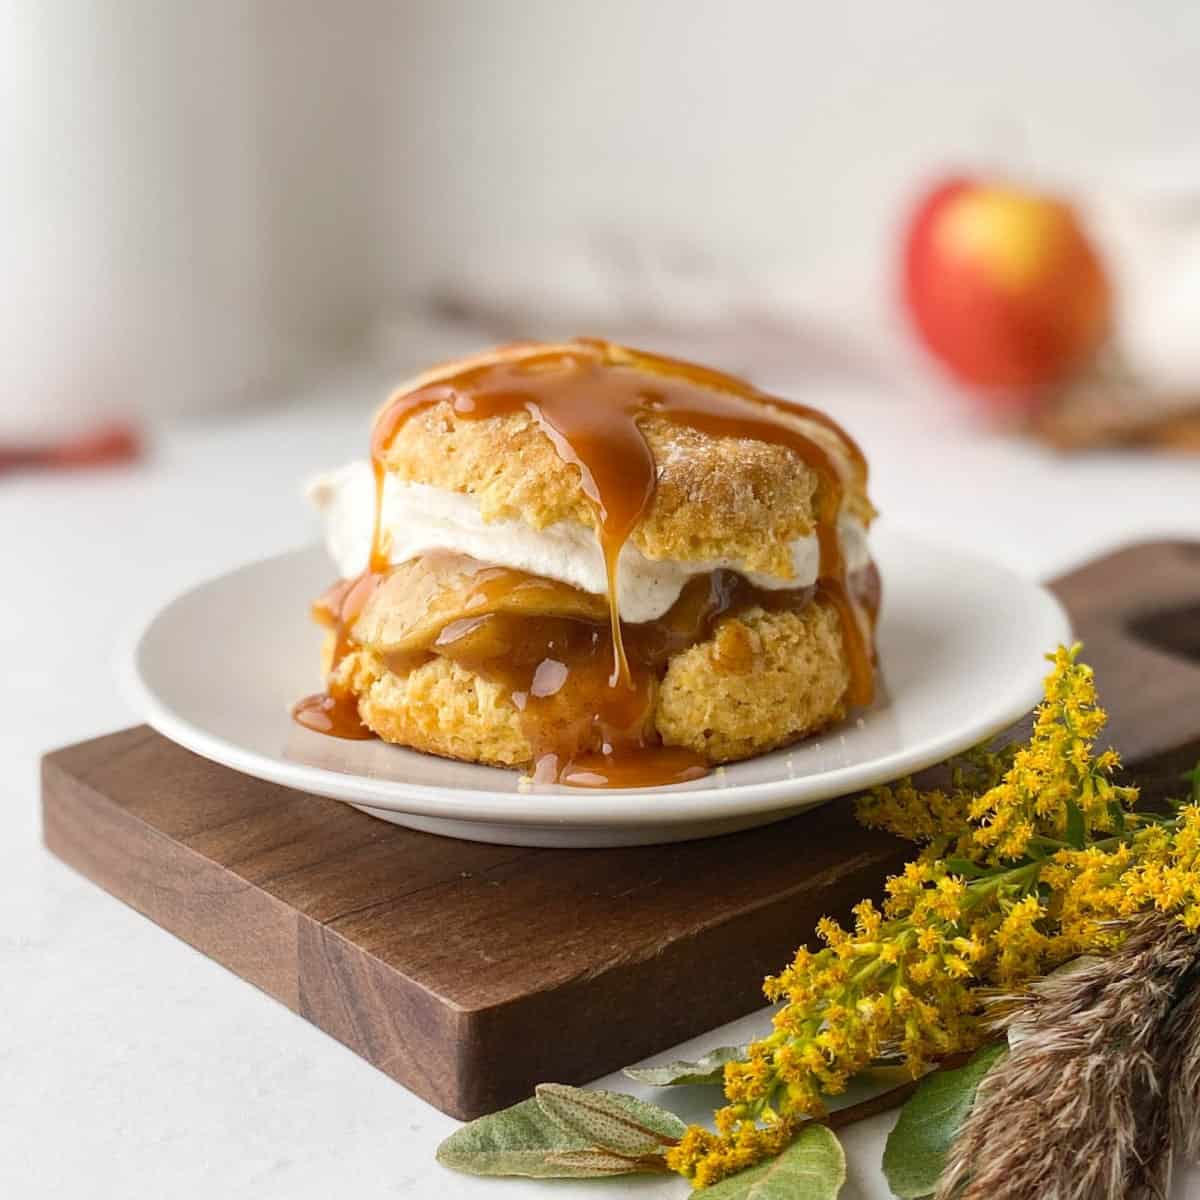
x: 588, y: 808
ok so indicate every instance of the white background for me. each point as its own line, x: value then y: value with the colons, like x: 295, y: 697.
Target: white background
x: 201, y: 199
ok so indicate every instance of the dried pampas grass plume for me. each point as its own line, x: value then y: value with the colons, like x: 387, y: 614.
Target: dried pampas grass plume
x: 1181, y: 1054
x: 1103, y: 1078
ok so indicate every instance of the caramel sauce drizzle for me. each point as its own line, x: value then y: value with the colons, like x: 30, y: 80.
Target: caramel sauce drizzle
x: 556, y: 671
x: 588, y: 402
x: 587, y: 398
x: 336, y: 712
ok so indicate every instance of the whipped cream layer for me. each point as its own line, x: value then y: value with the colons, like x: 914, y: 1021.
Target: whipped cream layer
x: 418, y: 519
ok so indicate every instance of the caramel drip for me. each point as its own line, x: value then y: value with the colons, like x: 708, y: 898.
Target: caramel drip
x: 335, y: 711
x: 335, y: 716
x: 720, y: 381
x: 554, y: 671
x: 587, y: 400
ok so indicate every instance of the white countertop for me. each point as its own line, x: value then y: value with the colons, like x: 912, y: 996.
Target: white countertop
x: 132, y: 1065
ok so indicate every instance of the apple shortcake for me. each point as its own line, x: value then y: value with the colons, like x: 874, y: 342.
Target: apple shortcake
x: 597, y: 565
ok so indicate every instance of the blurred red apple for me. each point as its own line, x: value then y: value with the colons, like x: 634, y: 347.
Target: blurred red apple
x: 1004, y: 287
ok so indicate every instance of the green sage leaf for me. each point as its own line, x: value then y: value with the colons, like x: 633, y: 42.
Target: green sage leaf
x: 812, y: 1167
x: 514, y: 1141
x: 601, y: 1162
x: 708, y: 1069
x: 915, y: 1155
x: 610, y: 1120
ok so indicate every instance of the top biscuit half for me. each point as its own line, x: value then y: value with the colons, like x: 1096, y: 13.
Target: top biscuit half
x: 714, y: 497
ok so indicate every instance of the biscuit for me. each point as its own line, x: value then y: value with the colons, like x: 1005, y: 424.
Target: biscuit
x: 715, y: 497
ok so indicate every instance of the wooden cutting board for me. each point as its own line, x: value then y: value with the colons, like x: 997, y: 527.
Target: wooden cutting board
x: 470, y: 972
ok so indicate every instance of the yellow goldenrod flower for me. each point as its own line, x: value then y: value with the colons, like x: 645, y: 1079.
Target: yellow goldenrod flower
x: 1030, y: 853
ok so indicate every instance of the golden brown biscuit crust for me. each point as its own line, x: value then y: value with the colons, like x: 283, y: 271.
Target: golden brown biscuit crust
x: 763, y: 680
x: 727, y: 498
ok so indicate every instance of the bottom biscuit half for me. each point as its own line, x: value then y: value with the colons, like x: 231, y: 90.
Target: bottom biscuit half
x: 762, y: 680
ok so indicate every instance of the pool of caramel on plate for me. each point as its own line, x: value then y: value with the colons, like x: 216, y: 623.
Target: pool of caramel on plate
x: 588, y: 403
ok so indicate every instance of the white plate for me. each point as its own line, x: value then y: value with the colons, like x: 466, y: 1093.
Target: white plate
x: 961, y: 642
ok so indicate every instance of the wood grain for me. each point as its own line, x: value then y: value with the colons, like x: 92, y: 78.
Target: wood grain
x: 471, y: 972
